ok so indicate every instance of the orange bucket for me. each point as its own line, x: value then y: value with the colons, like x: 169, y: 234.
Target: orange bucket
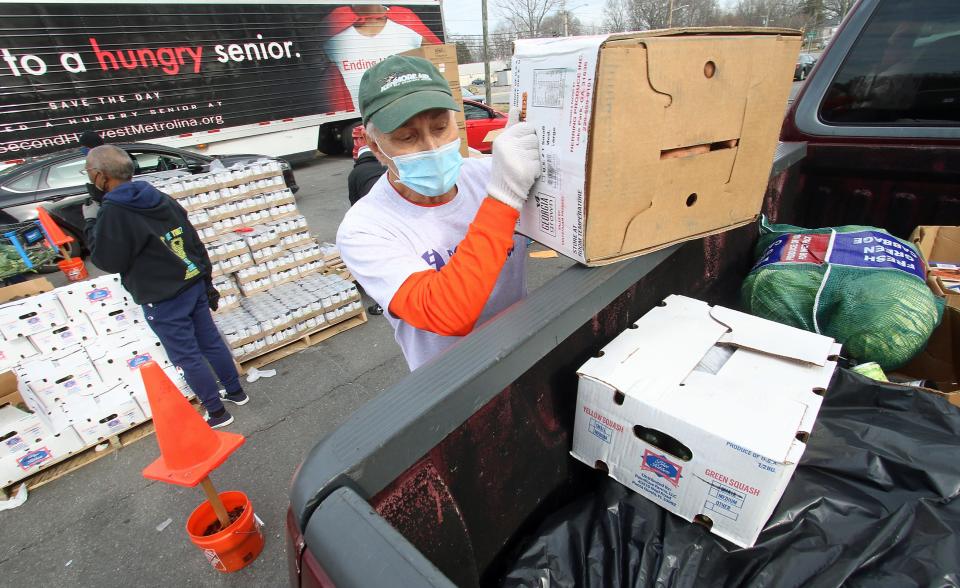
x: 230, y: 549
x: 73, y: 268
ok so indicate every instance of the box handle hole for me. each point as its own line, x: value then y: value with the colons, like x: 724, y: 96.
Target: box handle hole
x: 704, y: 521
x: 619, y: 397
x: 664, y: 442
x: 819, y: 391
x: 602, y: 466
x: 691, y: 199
x: 803, y: 436
x: 709, y: 69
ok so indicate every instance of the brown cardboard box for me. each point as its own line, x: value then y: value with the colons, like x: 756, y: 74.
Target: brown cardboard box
x: 670, y: 136
x: 940, y: 360
x: 939, y: 244
x: 25, y: 289
x: 445, y: 58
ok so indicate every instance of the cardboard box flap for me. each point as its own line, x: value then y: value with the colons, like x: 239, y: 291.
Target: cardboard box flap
x: 705, y: 403
x: 772, y: 338
x: 806, y: 383
x: 679, y: 334
x: 706, y: 31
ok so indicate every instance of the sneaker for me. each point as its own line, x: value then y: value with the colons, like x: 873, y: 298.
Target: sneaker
x: 239, y: 398
x: 221, y: 421
x: 375, y: 309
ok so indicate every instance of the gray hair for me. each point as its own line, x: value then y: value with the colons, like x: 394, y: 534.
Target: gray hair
x: 112, y: 161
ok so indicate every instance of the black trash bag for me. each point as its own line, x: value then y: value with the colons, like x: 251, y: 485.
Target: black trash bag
x: 874, y: 502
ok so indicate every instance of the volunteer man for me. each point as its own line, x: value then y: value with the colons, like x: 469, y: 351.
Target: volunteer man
x: 144, y: 235
x: 433, y: 241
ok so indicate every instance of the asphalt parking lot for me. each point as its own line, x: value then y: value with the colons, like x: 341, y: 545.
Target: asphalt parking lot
x: 100, y: 526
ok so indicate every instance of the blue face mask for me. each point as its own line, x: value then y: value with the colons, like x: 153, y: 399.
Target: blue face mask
x: 429, y: 173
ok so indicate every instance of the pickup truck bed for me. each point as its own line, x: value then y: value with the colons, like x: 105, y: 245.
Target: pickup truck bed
x: 438, y: 480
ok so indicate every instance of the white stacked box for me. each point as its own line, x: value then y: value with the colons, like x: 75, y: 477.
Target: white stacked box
x: 75, y: 352
x: 27, y: 445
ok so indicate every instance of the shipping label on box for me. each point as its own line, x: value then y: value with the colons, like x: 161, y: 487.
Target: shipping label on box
x: 705, y: 411
x: 554, y: 79
x: 93, y: 295
x: 75, y: 332
x: 649, y: 139
x: 31, y: 315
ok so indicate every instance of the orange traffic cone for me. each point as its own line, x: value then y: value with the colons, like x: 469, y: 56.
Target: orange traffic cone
x: 72, y: 268
x: 53, y: 232
x: 189, y: 451
x: 189, y: 448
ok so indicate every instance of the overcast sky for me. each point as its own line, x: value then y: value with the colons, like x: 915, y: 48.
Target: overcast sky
x: 462, y: 17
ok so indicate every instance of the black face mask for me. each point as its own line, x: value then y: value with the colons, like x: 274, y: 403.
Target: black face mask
x: 96, y: 194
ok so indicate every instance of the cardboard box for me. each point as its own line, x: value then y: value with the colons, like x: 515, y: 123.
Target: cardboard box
x: 940, y: 360
x: 93, y: 295
x: 14, y: 351
x: 649, y: 139
x: 25, y: 289
x: 704, y: 410
x: 121, y: 365
x: 65, y: 378
x: 111, y: 320
x: 77, y: 331
x: 116, y: 412
x: 31, y: 315
x: 939, y: 244
x: 26, y: 446
x: 445, y: 58
x: 172, y: 372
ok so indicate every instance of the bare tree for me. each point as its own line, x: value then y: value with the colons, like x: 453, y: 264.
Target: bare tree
x: 526, y: 15
x: 616, y: 16
x: 695, y: 13
x: 501, y: 41
x: 779, y: 13
x: 827, y: 10
x: 648, y: 14
x: 552, y: 25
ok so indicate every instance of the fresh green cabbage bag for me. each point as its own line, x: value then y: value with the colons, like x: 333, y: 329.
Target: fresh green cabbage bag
x: 859, y: 285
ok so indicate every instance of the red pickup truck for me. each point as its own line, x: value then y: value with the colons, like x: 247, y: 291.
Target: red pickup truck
x: 437, y: 481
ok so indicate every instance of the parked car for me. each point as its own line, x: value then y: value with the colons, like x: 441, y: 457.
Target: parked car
x: 442, y: 477
x: 805, y: 63
x: 468, y: 95
x: 481, y: 119
x: 58, y: 183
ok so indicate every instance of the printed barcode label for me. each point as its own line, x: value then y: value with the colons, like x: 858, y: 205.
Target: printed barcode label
x: 551, y: 172
x: 548, y: 88
x: 547, y: 207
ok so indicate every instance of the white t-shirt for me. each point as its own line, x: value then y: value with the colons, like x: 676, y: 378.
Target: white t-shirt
x: 385, y: 238
x: 353, y: 53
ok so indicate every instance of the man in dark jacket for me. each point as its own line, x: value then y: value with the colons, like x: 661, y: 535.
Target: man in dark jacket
x: 145, y: 236
x: 367, y: 169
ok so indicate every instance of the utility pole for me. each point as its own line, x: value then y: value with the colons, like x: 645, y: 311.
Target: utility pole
x: 486, y: 55
x: 563, y: 12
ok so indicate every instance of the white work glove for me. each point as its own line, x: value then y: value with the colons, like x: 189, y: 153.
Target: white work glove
x: 516, y: 162
x: 90, y: 209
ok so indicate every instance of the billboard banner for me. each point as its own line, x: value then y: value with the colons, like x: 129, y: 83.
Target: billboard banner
x: 133, y: 72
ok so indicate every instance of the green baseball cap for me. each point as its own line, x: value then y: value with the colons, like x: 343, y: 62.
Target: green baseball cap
x: 400, y: 87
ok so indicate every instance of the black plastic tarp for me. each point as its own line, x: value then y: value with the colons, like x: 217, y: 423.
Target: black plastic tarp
x: 872, y: 503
